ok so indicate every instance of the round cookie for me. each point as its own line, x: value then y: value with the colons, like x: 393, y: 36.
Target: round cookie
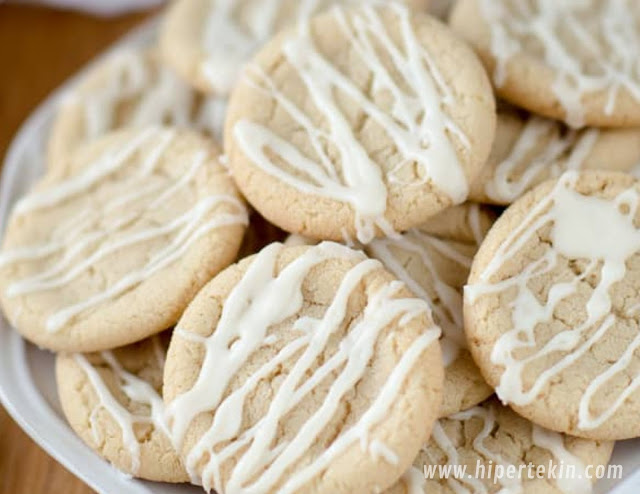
x: 208, y: 41
x: 468, y: 223
x: 491, y: 438
x: 302, y: 369
x: 110, y: 248
x: 112, y: 401
x: 331, y: 137
x: 551, y: 306
x: 529, y: 149
x: 436, y: 270
x: 129, y: 89
x: 573, y: 61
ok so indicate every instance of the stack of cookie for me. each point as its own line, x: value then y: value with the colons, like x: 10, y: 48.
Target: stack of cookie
x: 347, y: 358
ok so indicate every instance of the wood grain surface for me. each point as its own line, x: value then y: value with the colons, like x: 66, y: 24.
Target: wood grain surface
x: 39, y: 49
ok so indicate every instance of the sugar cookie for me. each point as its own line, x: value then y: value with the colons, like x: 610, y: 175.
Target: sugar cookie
x: 551, y: 308
x: 112, y: 401
x: 572, y: 61
x: 208, y: 41
x: 297, y: 364
x: 112, y: 250
x: 129, y: 89
x: 529, y: 149
x: 358, y: 124
x: 491, y: 438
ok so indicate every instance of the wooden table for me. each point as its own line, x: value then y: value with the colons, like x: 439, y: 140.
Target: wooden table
x: 39, y: 49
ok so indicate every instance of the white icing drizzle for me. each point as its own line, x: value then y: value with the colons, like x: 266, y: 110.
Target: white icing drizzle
x: 259, y: 301
x: 380, y: 450
x: 92, y: 236
x: 156, y: 96
x: 414, y: 481
x: 231, y: 38
x: 561, y: 153
x: 137, y: 390
x: 417, y: 123
x: 474, y: 220
x: 542, y: 438
x: 554, y: 442
x: 447, y: 311
x: 591, y: 45
x: 589, y: 228
x: 446, y: 445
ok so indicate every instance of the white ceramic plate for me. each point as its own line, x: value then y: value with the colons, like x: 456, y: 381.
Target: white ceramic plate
x: 27, y: 384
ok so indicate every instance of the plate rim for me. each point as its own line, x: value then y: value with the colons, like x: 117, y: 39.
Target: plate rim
x: 142, y: 34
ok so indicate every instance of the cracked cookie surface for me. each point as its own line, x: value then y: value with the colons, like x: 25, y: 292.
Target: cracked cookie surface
x: 572, y: 61
x: 110, y: 248
x: 357, y: 123
x: 492, y: 436
x: 297, y: 364
x: 529, y: 149
x: 112, y: 400
x: 551, y: 306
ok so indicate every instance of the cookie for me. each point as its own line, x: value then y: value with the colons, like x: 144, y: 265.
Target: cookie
x: 490, y: 441
x: 208, y: 41
x: 468, y: 223
x: 302, y: 369
x: 111, y: 247
x: 573, y: 61
x: 436, y: 270
x: 357, y: 124
x: 551, y: 308
x: 112, y: 401
x: 529, y: 149
x: 129, y: 89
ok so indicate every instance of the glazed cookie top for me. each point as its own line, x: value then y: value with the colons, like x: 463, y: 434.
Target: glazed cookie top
x: 491, y: 436
x: 112, y: 249
x: 575, y: 61
x: 435, y: 270
x: 358, y: 123
x: 129, y: 89
x: 112, y: 400
x: 552, y: 305
x: 529, y: 149
x: 302, y: 369
x: 208, y: 41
